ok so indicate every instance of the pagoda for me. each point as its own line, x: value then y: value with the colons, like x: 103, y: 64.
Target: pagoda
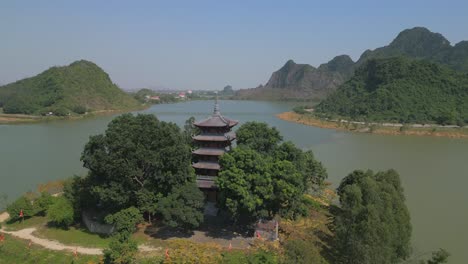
x: 214, y: 140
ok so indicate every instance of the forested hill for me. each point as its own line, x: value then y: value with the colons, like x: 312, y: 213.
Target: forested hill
x: 302, y: 81
x: 401, y: 90
x: 79, y: 87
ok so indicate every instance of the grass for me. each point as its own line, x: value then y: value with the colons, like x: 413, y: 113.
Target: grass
x: 77, y: 236
x: 14, y: 250
x: 35, y: 221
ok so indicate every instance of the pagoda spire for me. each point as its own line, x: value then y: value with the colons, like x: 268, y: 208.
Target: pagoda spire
x: 216, y: 106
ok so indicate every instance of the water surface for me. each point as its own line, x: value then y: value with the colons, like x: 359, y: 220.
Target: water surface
x: 434, y: 171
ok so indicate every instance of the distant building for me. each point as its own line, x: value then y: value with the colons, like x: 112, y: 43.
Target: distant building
x: 189, y: 91
x: 182, y: 95
x: 155, y: 97
x: 214, y: 140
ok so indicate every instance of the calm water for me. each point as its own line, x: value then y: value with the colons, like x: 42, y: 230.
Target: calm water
x: 434, y: 171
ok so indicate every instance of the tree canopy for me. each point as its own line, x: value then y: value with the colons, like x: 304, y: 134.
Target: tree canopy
x: 139, y: 161
x: 262, y: 178
x: 373, y: 223
x: 401, y: 90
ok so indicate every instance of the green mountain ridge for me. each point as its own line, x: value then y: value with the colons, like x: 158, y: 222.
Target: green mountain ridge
x: 401, y: 90
x: 79, y: 87
x: 303, y: 81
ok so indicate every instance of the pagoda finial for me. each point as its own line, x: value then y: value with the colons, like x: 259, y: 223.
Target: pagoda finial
x: 216, y: 106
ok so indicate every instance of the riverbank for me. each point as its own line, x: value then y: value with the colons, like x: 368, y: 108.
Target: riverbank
x: 382, y: 129
x: 23, y: 119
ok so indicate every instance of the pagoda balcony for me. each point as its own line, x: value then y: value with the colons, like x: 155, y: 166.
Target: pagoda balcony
x: 206, y: 165
x: 210, y: 151
x: 215, y: 137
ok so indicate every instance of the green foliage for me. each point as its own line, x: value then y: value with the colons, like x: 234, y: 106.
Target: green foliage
x: 183, y: 207
x: 259, y: 257
x: 61, y: 212
x: 262, y: 178
x: 299, y: 110
x: 125, y: 221
x: 121, y: 252
x: 401, y: 90
x: 439, y: 256
x: 79, y: 109
x: 62, y: 90
x: 43, y: 203
x: 373, y: 225
x: 22, y: 203
x: 190, y: 130
x: 144, y: 163
x: 258, y: 136
x: 301, y: 252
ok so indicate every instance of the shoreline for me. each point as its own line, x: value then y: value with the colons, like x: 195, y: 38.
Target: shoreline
x: 374, y: 129
x: 13, y: 119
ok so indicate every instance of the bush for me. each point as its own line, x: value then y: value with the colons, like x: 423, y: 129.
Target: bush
x: 260, y: 257
x: 300, y: 251
x: 43, y: 203
x: 79, y: 109
x: 21, y: 203
x: 120, y: 252
x: 125, y: 221
x: 61, y: 212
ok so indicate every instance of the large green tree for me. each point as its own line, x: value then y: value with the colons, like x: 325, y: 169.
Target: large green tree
x: 258, y: 136
x: 264, y: 176
x: 373, y: 223
x: 137, y: 161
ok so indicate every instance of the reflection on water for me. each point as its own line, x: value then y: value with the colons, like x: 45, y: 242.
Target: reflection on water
x: 434, y: 171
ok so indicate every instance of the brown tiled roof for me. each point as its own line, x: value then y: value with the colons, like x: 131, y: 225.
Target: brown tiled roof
x: 206, y: 165
x: 206, y: 184
x: 209, y: 151
x: 226, y: 137
x: 216, y: 120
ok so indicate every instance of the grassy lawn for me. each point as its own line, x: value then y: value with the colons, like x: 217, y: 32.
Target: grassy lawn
x: 73, y: 236
x: 14, y: 250
x: 35, y: 221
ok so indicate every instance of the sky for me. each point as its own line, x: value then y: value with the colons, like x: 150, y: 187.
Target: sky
x: 206, y: 44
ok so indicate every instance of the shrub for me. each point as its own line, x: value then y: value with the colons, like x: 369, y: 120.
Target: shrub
x: 125, y: 221
x: 79, y: 109
x: 120, y: 252
x: 21, y: 203
x: 60, y: 212
x: 300, y: 251
x: 42, y: 204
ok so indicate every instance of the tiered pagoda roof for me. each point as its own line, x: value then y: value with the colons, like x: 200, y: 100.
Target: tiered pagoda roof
x: 214, y: 140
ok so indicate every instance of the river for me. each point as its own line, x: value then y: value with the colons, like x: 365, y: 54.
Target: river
x: 434, y: 171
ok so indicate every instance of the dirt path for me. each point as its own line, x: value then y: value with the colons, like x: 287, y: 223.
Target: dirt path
x: 27, y: 234
x: 50, y: 244
x: 4, y: 216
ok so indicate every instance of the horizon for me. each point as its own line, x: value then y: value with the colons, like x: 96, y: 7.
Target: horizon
x: 205, y: 45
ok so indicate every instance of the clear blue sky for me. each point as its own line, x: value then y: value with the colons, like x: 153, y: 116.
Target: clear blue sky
x: 206, y: 44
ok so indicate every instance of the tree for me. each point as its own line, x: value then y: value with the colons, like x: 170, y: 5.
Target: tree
x: 21, y: 204
x: 373, y: 224
x: 43, y: 203
x: 137, y: 155
x: 120, y: 252
x: 183, y: 207
x: 254, y: 186
x: 125, y: 221
x: 190, y: 130
x: 301, y: 252
x: 439, y: 256
x: 61, y: 212
x: 258, y: 136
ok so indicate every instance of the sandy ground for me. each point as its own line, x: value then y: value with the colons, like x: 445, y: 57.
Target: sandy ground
x: 4, y: 216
